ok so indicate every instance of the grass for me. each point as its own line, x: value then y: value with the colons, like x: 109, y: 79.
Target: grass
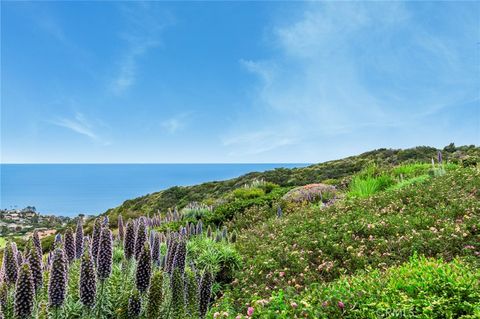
x: 366, y: 186
x: 3, y: 241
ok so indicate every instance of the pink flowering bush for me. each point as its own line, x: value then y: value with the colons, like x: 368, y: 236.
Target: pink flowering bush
x: 438, y: 217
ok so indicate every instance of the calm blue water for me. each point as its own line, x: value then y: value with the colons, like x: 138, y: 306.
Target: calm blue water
x: 70, y: 189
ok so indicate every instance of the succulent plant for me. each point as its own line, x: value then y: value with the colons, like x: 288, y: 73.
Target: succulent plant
x: 129, y: 241
x: 178, y: 294
x: 205, y: 292
x: 88, y: 284
x: 79, y: 239
x: 144, y: 269
x: 57, y: 286
x: 155, y: 295
x: 105, y: 255
x: 24, y: 293
x: 134, y: 304
x: 10, y: 264
x: 141, y: 237
x: 69, y: 245
x: 35, y: 262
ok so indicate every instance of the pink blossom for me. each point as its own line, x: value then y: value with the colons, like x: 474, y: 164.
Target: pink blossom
x: 341, y: 305
x: 294, y: 304
x: 250, y: 311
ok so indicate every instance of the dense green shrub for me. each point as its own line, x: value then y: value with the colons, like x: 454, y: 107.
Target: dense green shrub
x: 226, y: 211
x: 220, y: 258
x: 248, y: 193
x: 421, y: 288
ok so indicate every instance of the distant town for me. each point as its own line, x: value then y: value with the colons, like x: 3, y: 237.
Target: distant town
x: 22, y: 222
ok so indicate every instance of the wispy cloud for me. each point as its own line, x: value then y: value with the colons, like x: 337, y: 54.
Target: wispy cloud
x: 257, y: 142
x: 343, y: 67
x: 81, y: 125
x: 175, y: 123
x: 144, y: 25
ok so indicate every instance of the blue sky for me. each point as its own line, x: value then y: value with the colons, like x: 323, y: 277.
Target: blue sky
x: 235, y: 81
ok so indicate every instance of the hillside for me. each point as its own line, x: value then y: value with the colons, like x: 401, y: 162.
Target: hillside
x: 332, y: 172
x: 385, y: 234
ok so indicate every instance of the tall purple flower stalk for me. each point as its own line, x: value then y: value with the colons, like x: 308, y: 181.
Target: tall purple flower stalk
x: 156, y: 250
x: 69, y: 245
x: 79, y: 239
x: 180, y: 255
x: 105, y: 255
x: 88, y: 284
x: 129, y: 241
x: 35, y: 262
x: 37, y: 243
x: 97, y: 230
x: 141, y: 237
x: 10, y: 264
x: 121, y: 231
x: 57, y: 286
x: 205, y: 292
x: 144, y: 269
x: 24, y: 293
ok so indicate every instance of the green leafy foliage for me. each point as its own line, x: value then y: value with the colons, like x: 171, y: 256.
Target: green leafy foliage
x: 420, y: 288
x: 437, y: 218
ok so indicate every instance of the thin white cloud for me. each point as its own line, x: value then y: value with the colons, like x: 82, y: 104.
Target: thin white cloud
x: 81, y: 125
x: 257, y: 142
x: 340, y: 68
x: 175, y: 123
x: 144, y: 24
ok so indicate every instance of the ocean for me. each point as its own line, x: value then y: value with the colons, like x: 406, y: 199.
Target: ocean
x: 71, y: 189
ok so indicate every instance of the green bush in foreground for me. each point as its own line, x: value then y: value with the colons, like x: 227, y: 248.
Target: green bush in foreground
x: 421, y: 288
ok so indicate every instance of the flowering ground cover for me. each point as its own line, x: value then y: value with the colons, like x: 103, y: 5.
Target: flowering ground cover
x: 438, y: 217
